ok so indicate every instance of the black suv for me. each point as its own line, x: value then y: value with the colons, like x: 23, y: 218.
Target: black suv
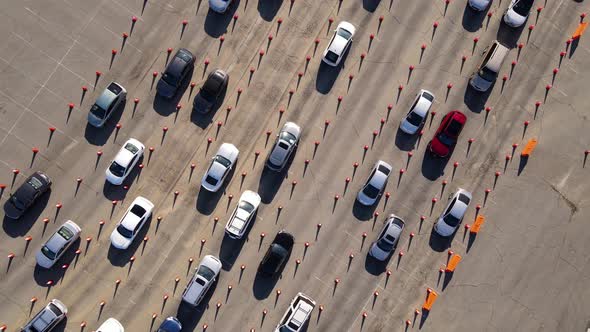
x: 177, y: 70
x: 211, y: 90
x: 277, y: 254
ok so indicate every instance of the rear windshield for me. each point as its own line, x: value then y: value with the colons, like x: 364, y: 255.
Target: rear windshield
x: 454, y: 128
x: 131, y: 148
x: 344, y: 33
x: 138, y: 210
x: 114, y: 88
x: 487, y: 74
x: 66, y: 233
x: 523, y: 7
x: 124, y: 231
x: 331, y: 56
x: 117, y: 169
x: 371, y: 191
x: 35, y: 183
x: 451, y: 220
x: 414, y: 119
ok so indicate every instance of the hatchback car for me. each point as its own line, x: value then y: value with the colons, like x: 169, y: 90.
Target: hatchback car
x: 418, y: 112
x: 479, y: 5
x: 108, y: 101
x: 204, y: 277
x: 25, y: 196
x: 517, y: 13
x: 375, y: 184
x: 211, y: 91
x: 387, y: 240
x: 277, y: 254
x: 451, y: 217
x: 446, y: 135
x: 339, y: 44
x: 127, y: 157
x: 131, y: 223
x: 46, y: 319
x: 283, y: 148
x: 170, y: 324
x: 177, y: 70
x: 221, y: 165
x: 242, y: 215
x: 111, y: 325
x: 219, y: 6
x: 297, y: 314
x: 57, y: 244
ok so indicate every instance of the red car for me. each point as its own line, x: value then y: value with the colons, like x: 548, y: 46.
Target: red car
x: 446, y: 135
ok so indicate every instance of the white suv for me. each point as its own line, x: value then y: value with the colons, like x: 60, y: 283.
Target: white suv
x: 297, y: 315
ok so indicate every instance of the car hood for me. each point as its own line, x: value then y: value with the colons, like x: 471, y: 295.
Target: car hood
x: 407, y: 127
x: 11, y: 211
x: 438, y: 148
x: 43, y: 261
x: 119, y: 241
x: 479, y: 83
x: 201, y: 104
x: 378, y: 253
x: 513, y: 19
x: 95, y: 121
x: 442, y: 228
x: 219, y: 5
x: 164, y: 89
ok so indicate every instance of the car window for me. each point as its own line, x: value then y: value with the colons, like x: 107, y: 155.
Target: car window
x: 371, y: 175
x: 205, y: 272
x: 371, y: 191
x: 117, y: 169
x: 344, y: 33
x: 211, y: 180
x: 222, y: 160
x: 464, y: 198
x: 383, y: 231
x: 451, y: 220
x: 138, y: 210
x: 35, y: 183
x: 97, y: 111
x: 415, y: 103
x: 246, y: 206
x: 288, y: 137
x: 17, y: 203
x: 124, y: 231
x: 132, y: 161
x: 454, y: 128
x: 428, y: 96
x: 331, y: 56
x: 131, y: 148
x: 283, y: 145
x: 451, y: 205
x: 384, y: 169
x: 48, y: 253
x: 66, y: 233
x: 414, y: 119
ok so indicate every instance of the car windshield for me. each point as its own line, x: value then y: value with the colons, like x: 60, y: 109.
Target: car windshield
x: 222, y: 160
x: 344, y: 33
x: 35, y: 183
x: 451, y: 220
x: 98, y: 111
x: 246, y: 206
x: 66, y: 233
x: 446, y: 139
x: 211, y: 180
x: 17, y: 203
x: 117, y: 169
x: 384, y: 245
x: 371, y: 191
x: 205, y: 272
x: 48, y: 253
x: 523, y: 7
x: 414, y: 119
x: 454, y: 128
x: 331, y: 56
x: 487, y: 74
x: 288, y: 137
x: 124, y: 231
x: 131, y: 148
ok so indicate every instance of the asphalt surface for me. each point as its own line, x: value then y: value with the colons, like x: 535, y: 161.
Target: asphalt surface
x: 526, y: 270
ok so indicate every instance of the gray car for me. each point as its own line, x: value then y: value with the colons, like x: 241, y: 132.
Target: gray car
x: 286, y: 142
x: 58, y: 244
x: 219, y: 6
x: 388, y: 238
x: 46, y: 319
x: 106, y: 103
x: 375, y: 184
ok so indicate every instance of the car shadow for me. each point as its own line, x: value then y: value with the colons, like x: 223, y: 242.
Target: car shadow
x: 475, y: 100
x: 119, y: 257
x: 167, y: 106
x: 364, y: 213
x: 42, y: 276
x: 20, y: 227
x: 327, y: 75
x: 269, y: 184
x: 439, y: 243
x: 204, y: 120
x: 189, y: 316
x: 404, y: 141
x: 433, y: 167
x: 61, y: 326
x: 371, y: 5
x: 375, y: 266
x: 268, y: 9
x: 263, y: 286
x: 118, y: 193
x: 217, y: 24
x: 472, y: 20
x: 229, y: 251
x: 99, y: 136
x: 507, y: 35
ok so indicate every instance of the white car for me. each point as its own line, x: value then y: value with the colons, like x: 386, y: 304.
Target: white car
x: 242, y: 215
x: 204, y: 277
x: 57, y: 244
x: 388, y: 238
x: 46, y: 319
x: 517, y: 13
x: 124, y: 161
x: 479, y: 5
x: 284, y: 146
x: 375, y: 184
x: 297, y: 314
x: 418, y: 112
x: 339, y: 43
x: 219, y: 6
x: 133, y: 220
x: 111, y: 325
x: 451, y: 217
x: 220, y: 167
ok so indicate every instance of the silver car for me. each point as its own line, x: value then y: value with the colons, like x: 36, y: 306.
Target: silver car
x: 221, y: 165
x: 375, y: 184
x: 340, y: 42
x: 57, y: 244
x: 451, y: 217
x: 418, y: 112
x: 204, y: 277
x: 47, y: 318
x: 479, y: 5
x: 388, y: 238
x: 286, y: 142
x: 106, y: 103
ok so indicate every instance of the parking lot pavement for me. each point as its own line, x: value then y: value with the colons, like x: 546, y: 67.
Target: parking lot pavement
x: 527, y: 260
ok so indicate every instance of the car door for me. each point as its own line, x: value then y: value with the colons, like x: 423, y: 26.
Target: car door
x: 137, y: 229
x: 131, y: 165
x: 370, y: 176
x: 450, y: 207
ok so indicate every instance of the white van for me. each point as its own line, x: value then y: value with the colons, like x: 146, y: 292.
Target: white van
x: 297, y: 315
x: 204, y: 277
x: 487, y: 72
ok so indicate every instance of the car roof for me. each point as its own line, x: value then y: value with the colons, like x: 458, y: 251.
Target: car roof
x: 215, y: 80
x: 423, y: 105
x: 496, y: 60
x: 338, y: 44
x: 458, y: 209
x: 216, y: 170
x: 105, y: 99
x: 124, y: 156
x: 25, y: 192
x: 378, y: 180
x: 44, y: 318
x: 56, y: 241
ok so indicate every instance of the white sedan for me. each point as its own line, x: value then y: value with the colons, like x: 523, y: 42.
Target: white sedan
x: 221, y: 165
x: 204, y: 277
x: 124, y: 161
x: 242, y: 215
x: 517, y: 13
x: 111, y: 325
x: 135, y: 217
x: 58, y: 244
x: 418, y: 112
x: 339, y: 43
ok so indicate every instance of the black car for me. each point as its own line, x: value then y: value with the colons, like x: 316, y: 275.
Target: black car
x: 211, y: 91
x: 177, y: 70
x: 277, y: 254
x: 18, y: 203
